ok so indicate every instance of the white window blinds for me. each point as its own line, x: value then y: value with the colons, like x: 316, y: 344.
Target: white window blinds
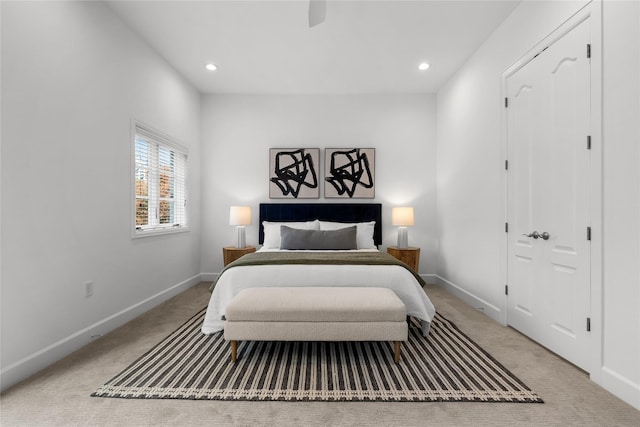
x: 160, y: 173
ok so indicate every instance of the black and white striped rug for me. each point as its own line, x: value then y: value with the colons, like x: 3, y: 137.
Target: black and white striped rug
x: 448, y: 366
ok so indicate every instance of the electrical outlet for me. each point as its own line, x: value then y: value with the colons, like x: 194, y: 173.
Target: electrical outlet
x: 88, y: 289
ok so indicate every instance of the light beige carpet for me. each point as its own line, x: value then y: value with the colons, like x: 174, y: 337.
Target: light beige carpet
x: 60, y: 395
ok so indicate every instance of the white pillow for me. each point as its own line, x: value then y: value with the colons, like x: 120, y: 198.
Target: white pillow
x: 364, y: 231
x: 272, y: 231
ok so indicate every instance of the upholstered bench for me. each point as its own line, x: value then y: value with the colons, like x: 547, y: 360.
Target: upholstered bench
x: 316, y: 314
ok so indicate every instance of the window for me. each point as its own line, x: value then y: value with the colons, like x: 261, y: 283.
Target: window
x: 160, y: 172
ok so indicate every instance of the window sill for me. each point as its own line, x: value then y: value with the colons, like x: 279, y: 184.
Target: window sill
x: 137, y: 234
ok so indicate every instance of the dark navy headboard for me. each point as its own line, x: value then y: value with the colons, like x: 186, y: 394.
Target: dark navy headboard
x: 338, y: 212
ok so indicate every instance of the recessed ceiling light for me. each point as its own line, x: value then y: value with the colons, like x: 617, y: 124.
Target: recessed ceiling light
x: 211, y: 67
x: 423, y: 66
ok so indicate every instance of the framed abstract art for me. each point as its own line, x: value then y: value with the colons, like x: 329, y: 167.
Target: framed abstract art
x: 293, y: 173
x: 349, y: 173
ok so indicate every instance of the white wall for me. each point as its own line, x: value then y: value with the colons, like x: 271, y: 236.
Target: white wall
x: 470, y: 197
x: 621, y: 199
x: 470, y: 210
x: 238, y: 131
x: 73, y: 77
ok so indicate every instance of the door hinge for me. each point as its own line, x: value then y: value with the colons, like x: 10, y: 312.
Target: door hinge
x: 506, y: 289
x: 588, y: 324
x: 588, y: 142
x: 506, y: 227
x: 506, y: 164
x: 506, y: 102
x: 588, y: 50
x: 588, y: 233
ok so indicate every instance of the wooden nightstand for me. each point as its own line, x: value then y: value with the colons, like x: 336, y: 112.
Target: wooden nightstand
x: 410, y: 256
x: 231, y: 254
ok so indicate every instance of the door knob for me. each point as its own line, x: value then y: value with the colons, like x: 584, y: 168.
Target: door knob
x: 544, y: 235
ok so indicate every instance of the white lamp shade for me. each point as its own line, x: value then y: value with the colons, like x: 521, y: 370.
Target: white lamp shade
x: 240, y: 215
x: 402, y: 216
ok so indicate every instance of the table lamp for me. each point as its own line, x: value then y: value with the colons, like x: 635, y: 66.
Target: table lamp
x: 402, y: 217
x: 240, y: 216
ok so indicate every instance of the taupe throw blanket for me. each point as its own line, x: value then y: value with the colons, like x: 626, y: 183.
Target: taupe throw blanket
x: 335, y: 258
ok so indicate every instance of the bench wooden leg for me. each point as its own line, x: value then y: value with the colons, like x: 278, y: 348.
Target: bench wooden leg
x: 234, y: 350
x: 396, y: 356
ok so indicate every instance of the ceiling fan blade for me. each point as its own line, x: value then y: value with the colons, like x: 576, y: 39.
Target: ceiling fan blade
x: 317, y: 12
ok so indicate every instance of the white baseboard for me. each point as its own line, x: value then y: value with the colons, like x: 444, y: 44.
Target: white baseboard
x: 470, y: 299
x: 619, y: 386
x: 39, y: 360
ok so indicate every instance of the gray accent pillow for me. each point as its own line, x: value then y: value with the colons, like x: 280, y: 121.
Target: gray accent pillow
x: 342, y: 239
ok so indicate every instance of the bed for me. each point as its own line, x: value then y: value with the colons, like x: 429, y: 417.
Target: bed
x: 359, y: 266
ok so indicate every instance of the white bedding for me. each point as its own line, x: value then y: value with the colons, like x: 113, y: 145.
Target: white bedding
x: 396, y: 278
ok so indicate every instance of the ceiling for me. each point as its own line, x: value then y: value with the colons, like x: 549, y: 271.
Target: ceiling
x: 267, y: 47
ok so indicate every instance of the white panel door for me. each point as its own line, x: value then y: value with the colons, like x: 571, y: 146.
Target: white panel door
x: 548, y: 247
